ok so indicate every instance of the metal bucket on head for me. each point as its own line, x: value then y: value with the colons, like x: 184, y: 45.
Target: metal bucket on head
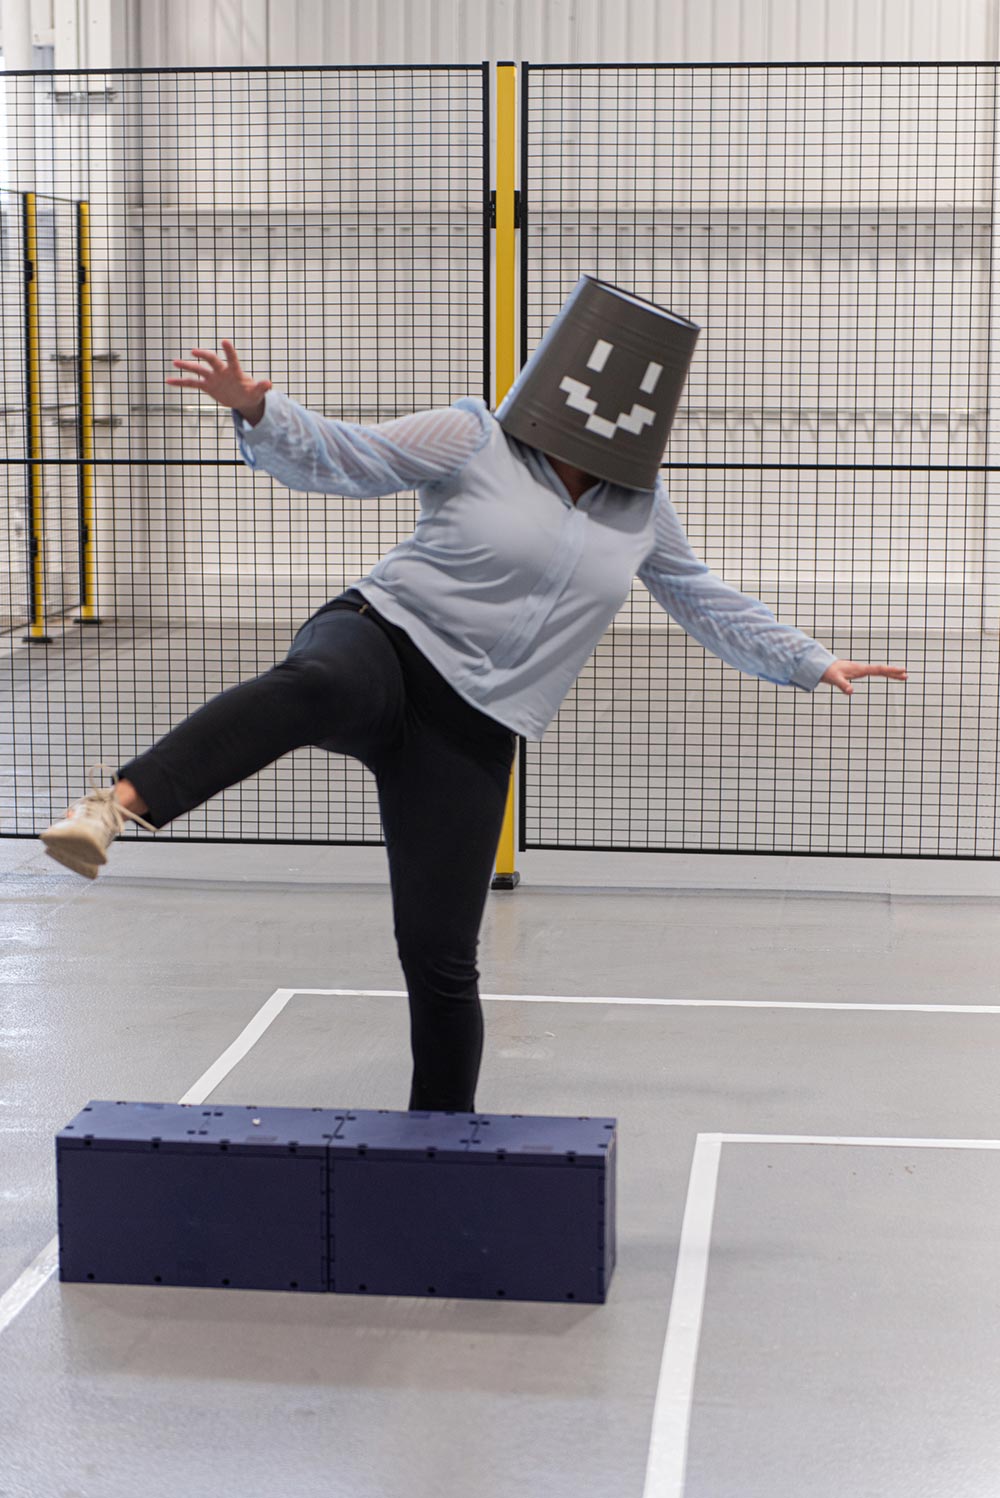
x: 601, y: 389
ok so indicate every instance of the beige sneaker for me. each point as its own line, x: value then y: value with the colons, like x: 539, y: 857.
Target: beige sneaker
x: 90, y: 826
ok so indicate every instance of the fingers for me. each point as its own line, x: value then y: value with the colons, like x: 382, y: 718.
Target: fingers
x: 893, y: 673
x: 209, y: 365
x: 186, y: 384
x: 210, y: 357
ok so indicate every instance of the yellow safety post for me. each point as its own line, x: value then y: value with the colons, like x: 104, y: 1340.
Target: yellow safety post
x: 85, y: 396
x: 506, y: 876
x: 33, y: 410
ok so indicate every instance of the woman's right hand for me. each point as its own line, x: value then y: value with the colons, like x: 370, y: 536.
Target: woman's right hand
x: 224, y: 381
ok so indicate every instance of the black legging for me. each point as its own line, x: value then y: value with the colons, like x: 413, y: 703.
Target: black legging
x: 354, y: 684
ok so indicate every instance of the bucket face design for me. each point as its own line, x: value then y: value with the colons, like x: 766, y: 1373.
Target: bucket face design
x: 601, y: 389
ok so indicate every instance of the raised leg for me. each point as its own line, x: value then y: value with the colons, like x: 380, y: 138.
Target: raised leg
x: 340, y: 685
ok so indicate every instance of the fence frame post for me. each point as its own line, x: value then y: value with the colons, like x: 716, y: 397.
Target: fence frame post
x: 85, y: 418
x: 505, y: 342
x: 33, y: 428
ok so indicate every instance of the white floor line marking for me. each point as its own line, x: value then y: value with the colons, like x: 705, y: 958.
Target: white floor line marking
x: 30, y: 1282
x: 862, y: 1142
x: 552, y: 998
x: 244, y: 1042
x: 666, y: 1466
x: 37, y: 1274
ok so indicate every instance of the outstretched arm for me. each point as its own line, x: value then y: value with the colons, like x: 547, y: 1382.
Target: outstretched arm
x: 739, y: 629
x: 326, y: 456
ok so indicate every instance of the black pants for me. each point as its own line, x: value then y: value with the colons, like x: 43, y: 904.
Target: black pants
x: 354, y: 684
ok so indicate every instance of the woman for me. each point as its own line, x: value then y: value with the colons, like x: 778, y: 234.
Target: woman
x: 467, y: 634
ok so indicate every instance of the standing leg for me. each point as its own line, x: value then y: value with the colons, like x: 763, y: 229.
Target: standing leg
x: 442, y: 800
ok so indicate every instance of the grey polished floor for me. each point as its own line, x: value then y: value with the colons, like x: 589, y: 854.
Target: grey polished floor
x: 851, y: 1319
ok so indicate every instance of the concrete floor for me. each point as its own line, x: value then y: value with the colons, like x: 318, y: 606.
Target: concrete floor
x: 849, y: 1335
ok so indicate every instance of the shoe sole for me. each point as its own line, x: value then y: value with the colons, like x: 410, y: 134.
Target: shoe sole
x: 78, y: 854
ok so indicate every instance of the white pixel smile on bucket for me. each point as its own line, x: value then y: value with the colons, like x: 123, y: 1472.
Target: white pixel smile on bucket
x: 579, y: 399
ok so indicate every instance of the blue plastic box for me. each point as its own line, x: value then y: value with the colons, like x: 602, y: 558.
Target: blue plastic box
x: 489, y: 1206
x: 169, y: 1194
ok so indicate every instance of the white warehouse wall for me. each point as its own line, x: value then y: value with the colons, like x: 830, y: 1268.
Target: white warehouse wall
x: 285, y: 32
x: 229, y: 33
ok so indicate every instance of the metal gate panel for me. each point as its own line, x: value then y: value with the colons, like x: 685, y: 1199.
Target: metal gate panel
x: 334, y: 223
x: 833, y: 229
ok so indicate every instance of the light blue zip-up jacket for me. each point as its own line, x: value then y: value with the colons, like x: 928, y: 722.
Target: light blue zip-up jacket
x: 505, y: 585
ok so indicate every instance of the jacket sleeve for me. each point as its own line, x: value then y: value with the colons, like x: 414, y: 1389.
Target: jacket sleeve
x: 739, y: 629
x: 322, y: 455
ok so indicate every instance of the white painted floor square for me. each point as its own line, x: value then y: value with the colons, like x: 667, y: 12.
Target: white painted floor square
x: 835, y: 1321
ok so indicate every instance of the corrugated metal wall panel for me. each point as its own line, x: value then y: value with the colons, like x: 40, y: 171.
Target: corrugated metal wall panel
x: 284, y: 33
x: 191, y: 33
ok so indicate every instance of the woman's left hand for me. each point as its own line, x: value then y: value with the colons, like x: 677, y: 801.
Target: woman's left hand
x: 842, y: 673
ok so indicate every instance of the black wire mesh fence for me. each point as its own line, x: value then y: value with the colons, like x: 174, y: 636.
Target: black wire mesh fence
x: 334, y: 224
x: 833, y: 229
